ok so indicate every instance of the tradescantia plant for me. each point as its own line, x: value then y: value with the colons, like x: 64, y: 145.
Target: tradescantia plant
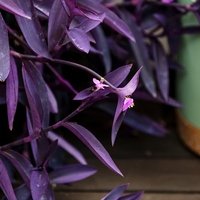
x: 49, y: 75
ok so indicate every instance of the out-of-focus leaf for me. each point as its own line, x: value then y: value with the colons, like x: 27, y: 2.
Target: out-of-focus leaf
x: 162, y: 69
x: 22, y: 193
x: 5, y: 182
x: 40, y: 186
x: 93, y: 144
x: 140, y: 51
x: 57, y: 24
x: 102, y: 45
x: 116, y: 193
x: 52, y: 100
x: 67, y: 147
x: 4, y: 52
x: 32, y: 29
x: 22, y: 165
x: 12, y: 93
x: 71, y: 173
x: 13, y: 8
x: 80, y: 39
x: 36, y: 93
x: 111, y: 19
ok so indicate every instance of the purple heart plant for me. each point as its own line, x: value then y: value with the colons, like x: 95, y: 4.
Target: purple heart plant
x: 57, y: 59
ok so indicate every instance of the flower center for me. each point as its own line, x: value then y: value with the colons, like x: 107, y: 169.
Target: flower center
x: 128, y: 103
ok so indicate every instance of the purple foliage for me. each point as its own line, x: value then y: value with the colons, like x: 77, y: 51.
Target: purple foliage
x: 58, y: 58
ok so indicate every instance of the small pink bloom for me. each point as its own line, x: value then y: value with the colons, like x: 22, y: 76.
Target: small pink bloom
x: 128, y: 103
x: 167, y: 1
x: 99, y: 84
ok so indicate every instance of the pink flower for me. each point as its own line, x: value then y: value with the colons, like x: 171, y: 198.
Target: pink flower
x: 99, y: 84
x: 167, y: 1
x: 128, y: 103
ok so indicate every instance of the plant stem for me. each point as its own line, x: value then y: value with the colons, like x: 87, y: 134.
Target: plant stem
x: 62, y: 62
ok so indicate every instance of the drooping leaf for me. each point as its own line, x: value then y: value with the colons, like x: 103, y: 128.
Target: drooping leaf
x: 12, y: 7
x: 22, y: 165
x: 162, y: 69
x: 57, y: 24
x: 102, y: 45
x: 80, y: 39
x: 116, y: 193
x: 93, y: 144
x: 111, y: 19
x: 37, y: 94
x: 5, y: 51
x: 67, y: 147
x: 40, y: 185
x: 32, y: 29
x: 5, y: 182
x: 71, y: 173
x: 12, y: 93
x: 140, y: 51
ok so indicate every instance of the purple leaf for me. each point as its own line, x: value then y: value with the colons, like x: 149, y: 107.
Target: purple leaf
x: 118, y: 118
x: 12, y: 93
x: 115, y: 77
x: 5, y: 183
x: 134, y: 196
x: 102, y: 45
x: 71, y: 173
x: 43, y: 6
x: 36, y: 93
x: 22, y: 165
x: 52, y: 100
x: 67, y: 147
x: 5, y: 51
x: 40, y: 185
x: 116, y: 193
x: 111, y: 19
x: 58, y: 20
x: 93, y: 144
x: 32, y: 29
x: 162, y: 69
x: 13, y: 8
x: 80, y: 39
x: 140, y: 51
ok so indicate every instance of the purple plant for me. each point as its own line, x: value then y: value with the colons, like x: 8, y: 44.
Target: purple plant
x: 48, y: 53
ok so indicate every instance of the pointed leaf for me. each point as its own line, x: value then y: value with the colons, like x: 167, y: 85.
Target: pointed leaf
x: 102, y: 45
x: 40, y: 186
x: 5, y: 51
x: 67, y: 147
x: 134, y: 196
x: 12, y: 93
x: 43, y: 6
x: 80, y: 39
x: 22, y: 165
x: 131, y: 86
x: 5, y: 182
x: 13, y: 8
x: 58, y: 20
x: 32, y: 29
x: 71, y: 173
x: 111, y: 19
x: 93, y: 144
x: 37, y: 92
x: 118, y: 118
x: 162, y: 69
x: 116, y: 193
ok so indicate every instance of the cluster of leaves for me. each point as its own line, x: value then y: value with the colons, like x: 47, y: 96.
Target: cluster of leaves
x: 40, y: 42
